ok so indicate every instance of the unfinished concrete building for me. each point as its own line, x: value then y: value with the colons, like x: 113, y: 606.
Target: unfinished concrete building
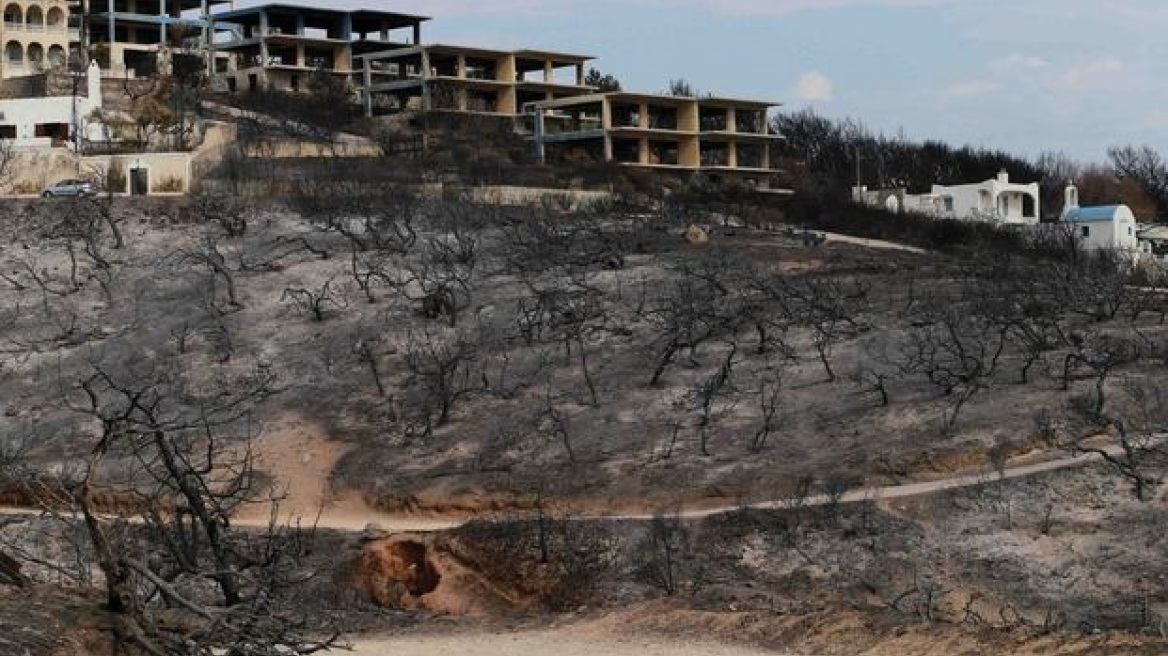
x: 721, y: 137
x: 439, y: 77
x: 125, y: 35
x: 278, y: 46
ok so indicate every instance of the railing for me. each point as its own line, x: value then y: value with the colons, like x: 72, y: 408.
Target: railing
x: 39, y: 28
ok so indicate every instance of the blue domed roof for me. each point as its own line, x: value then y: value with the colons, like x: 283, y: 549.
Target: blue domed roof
x: 1091, y: 214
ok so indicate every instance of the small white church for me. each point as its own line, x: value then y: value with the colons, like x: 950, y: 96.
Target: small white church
x: 1102, y: 226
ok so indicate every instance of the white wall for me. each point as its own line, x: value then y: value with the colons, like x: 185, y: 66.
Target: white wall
x: 26, y: 113
x: 1119, y: 233
x: 996, y: 199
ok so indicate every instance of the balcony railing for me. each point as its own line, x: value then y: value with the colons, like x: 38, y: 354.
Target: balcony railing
x: 39, y: 28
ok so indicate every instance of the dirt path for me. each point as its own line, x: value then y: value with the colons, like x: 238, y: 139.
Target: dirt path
x: 872, y: 243
x: 348, y: 521
x: 350, y: 514
x: 557, y: 642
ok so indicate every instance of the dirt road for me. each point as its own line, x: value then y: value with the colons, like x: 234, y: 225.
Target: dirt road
x: 348, y: 517
x: 556, y: 642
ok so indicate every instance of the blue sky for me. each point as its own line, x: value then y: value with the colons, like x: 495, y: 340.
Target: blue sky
x: 1023, y: 75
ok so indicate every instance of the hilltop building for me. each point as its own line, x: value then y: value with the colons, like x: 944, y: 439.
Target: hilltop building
x: 996, y: 200
x: 1101, y: 227
x: 720, y: 137
x: 382, y: 58
x: 440, y: 77
x: 276, y: 46
x: 36, y: 35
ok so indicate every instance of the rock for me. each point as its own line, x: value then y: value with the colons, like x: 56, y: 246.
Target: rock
x: 697, y: 235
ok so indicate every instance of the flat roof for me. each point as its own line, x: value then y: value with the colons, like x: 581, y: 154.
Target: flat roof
x: 364, y: 20
x: 661, y: 99
x: 566, y: 57
x: 535, y: 55
x: 183, y: 5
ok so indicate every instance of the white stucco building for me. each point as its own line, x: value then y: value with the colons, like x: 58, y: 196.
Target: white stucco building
x: 1101, y: 227
x: 996, y: 200
x: 55, y: 120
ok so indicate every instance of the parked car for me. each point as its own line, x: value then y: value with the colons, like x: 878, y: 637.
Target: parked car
x: 68, y: 188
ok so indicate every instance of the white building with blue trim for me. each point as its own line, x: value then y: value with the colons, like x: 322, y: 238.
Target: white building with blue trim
x: 1102, y: 226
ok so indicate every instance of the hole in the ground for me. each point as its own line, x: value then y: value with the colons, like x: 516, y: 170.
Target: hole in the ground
x: 393, y: 572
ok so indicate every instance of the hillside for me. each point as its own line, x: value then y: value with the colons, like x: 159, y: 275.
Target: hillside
x: 388, y: 355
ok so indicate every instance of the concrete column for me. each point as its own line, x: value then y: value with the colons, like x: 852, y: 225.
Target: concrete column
x: 766, y: 156
x: 427, y: 100
x: 301, y: 55
x: 367, y: 86
x: 264, y: 38
x: 299, y: 25
x: 112, y: 29
x: 208, y: 42
x: 579, y: 75
x: 384, y: 31
x: 643, y: 150
x: 417, y: 34
x: 460, y: 68
x: 731, y: 120
x: 643, y: 115
x: 538, y: 128
x: 549, y: 72
x: 732, y: 154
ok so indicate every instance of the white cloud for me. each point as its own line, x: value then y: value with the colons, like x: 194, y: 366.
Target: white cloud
x: 1090, y: 75
x: 971, y: 89
x: 1157, y: 119
x: 814, y: 86
x: 1019, y: 62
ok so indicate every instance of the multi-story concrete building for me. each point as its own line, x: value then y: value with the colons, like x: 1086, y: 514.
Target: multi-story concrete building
x: 717, y: 136
x: 277, y: 46
x: 125, y: 35
x: 438, y: 77
x: 36, y: 36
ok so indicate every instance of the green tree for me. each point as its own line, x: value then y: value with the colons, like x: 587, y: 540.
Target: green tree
x: 602, y: 81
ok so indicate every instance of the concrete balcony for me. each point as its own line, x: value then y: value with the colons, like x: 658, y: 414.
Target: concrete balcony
x: 37, y: 28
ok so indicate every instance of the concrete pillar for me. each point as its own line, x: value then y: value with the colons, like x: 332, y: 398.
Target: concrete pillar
x: 111, y: 29
x: 300, y: 25
x: 460, y: 68
x: 643, y: 150
x: 549, y: 72
x: 384, y: 31
x: 731, y: 120
x: 427, y: 99
x: 579, y: 75
x: 417, y: 34
x: 732, y: 154
x: 538, y: 129
x: 301, y: 55
x: 263, y: 38
x: 643, y: 115
x: 367, y: 86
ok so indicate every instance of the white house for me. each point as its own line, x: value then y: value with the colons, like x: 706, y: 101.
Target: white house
x: 996, y: 200
x: 43, y: 122
x: 1103, y: 226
